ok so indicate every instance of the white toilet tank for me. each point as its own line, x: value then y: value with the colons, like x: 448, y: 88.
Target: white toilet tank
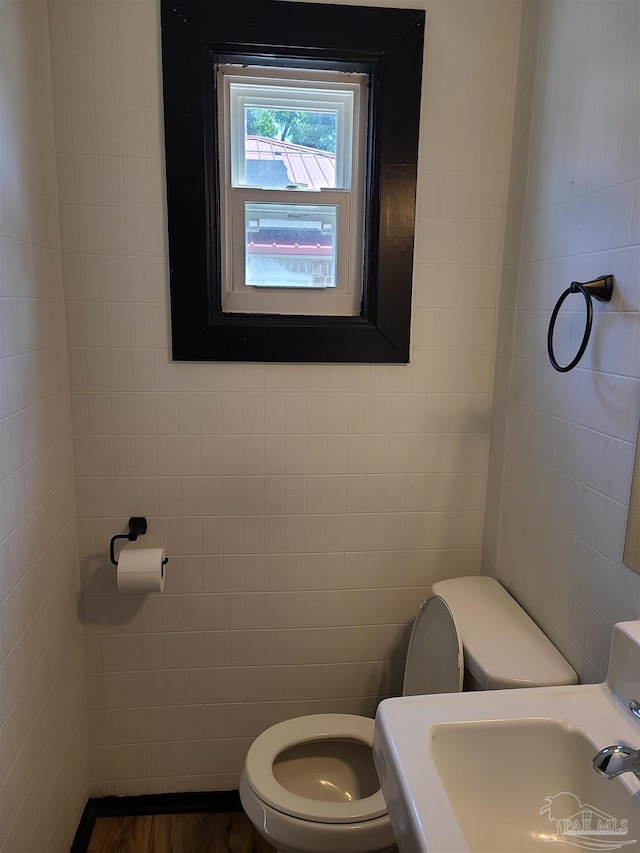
x: 472, y: 629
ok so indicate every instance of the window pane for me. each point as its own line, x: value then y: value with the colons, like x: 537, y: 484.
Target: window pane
x: 290, y: 148
x: 290, y: 245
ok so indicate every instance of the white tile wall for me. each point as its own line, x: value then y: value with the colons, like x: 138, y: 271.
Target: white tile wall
x: 307, y: 509
x: 43, y: 726
x: 556, y: 519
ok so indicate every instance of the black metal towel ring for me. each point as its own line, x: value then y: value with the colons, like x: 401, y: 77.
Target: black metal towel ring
x: 600, y: 289
x: 137, y: 527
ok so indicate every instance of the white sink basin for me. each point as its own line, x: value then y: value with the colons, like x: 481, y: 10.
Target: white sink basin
x: 511, y: 781
x: 510, y: 770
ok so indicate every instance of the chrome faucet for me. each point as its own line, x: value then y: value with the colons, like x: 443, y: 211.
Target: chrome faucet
x: 614, y: 760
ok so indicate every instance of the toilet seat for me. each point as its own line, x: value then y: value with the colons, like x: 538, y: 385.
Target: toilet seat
x: 275, y: 740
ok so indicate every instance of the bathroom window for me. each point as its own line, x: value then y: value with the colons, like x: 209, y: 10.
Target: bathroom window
x: 291, y: 134
x: 292, y: 148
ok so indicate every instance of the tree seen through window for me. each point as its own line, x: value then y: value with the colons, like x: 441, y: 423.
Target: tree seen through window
x: 311, y: 128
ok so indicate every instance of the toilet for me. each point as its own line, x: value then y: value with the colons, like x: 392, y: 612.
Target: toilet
x: 309, y: 784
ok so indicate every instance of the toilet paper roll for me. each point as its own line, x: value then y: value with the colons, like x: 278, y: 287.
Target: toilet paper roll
x: 141, y: 570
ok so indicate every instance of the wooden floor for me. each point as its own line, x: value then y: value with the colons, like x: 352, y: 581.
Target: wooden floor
x: 225, y: 832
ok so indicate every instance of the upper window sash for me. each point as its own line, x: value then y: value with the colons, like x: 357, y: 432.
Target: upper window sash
x: 342, y: 93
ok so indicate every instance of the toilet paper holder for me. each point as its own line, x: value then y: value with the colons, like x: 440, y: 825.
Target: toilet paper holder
x: 137, y: 527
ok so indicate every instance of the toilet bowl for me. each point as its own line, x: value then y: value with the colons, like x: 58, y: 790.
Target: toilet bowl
x: 319, y: 790
x: 309, y: 784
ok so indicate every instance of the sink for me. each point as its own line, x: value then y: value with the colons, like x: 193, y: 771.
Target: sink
x: 516, y: 785
x: 510, y: 770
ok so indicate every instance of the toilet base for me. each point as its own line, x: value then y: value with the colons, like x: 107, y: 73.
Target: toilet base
x: 292, y: 835
x: 392, y: 849
x: 287, y: 849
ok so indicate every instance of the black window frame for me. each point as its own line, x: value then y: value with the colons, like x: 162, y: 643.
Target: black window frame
x: 385, y: 43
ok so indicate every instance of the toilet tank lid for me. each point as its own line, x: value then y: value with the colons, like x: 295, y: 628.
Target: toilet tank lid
x: 503, y: 647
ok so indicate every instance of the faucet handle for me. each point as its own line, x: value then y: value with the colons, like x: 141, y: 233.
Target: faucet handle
x: 634, y: 707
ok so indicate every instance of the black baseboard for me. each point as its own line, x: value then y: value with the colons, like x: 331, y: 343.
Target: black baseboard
x: 82, y: 837
x: 191, y: 802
